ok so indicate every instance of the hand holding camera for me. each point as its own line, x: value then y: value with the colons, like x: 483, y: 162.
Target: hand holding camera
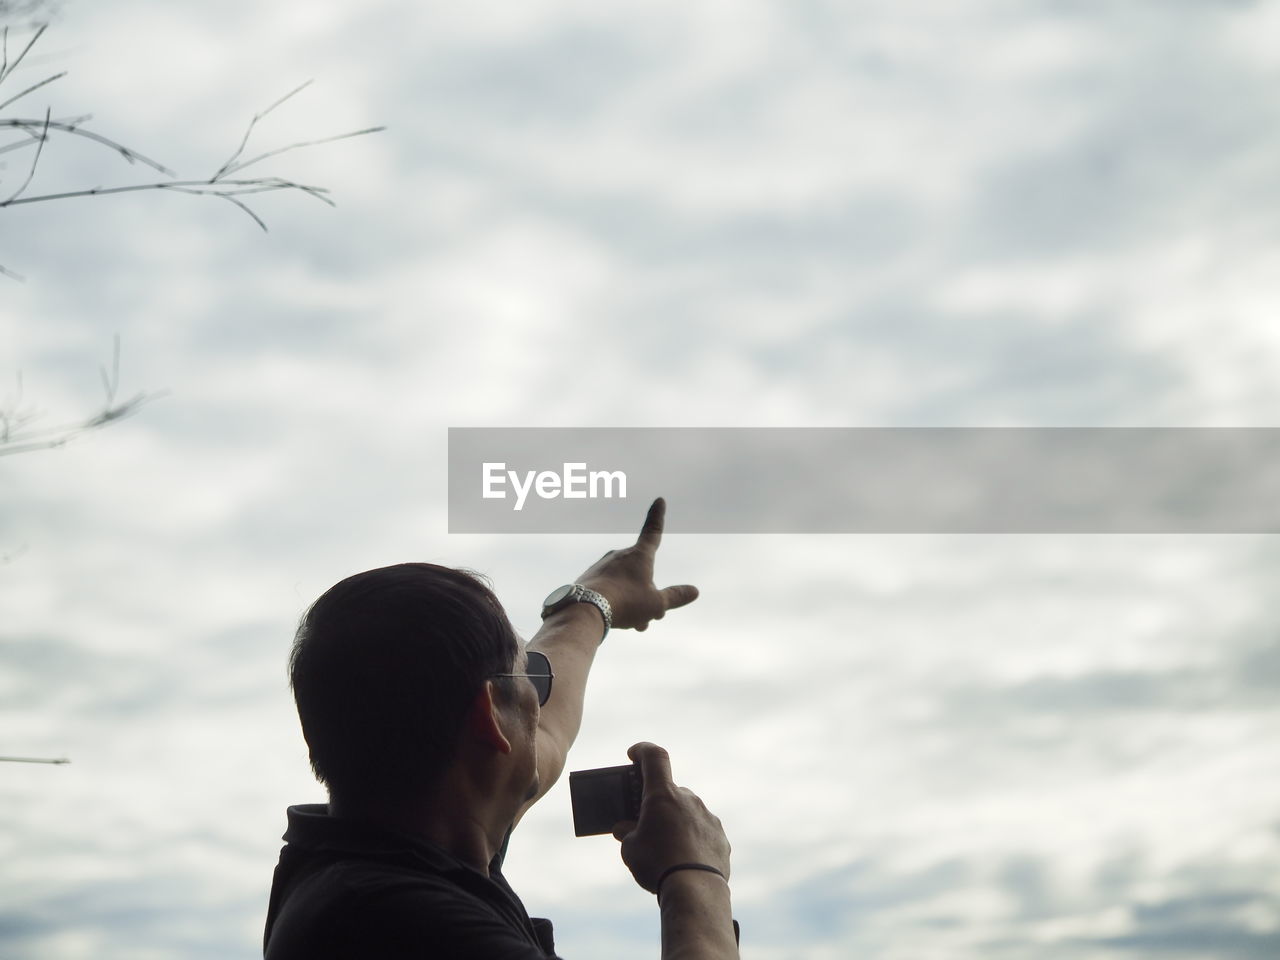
x: 672, y: 827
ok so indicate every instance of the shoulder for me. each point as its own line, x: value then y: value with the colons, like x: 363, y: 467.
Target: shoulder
x: 376, y: 910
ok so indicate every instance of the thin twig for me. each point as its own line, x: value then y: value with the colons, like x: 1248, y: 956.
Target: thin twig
x: 33, y: 87
x: 44, y: 135
x: 11, y: 414
x: 225, y: 168
x: 37, y: 132
x: 132, y: 156
x: 245, y: 207
x: 293, y: 146
x: 119, y: 411
x: 14, y: 439
x: 231, y: 195
x: 60, y: 123
x: 195, y: 187
x: 21, y: 144
x: 243, y: 187
x: 61, y: 435
x: 53, y: 436
x: 10, y: 67
x: 15, y: 448
x: 33, y: 760
x: 109, y: 384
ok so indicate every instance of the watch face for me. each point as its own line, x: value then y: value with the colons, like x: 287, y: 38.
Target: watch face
x: 558, y: 594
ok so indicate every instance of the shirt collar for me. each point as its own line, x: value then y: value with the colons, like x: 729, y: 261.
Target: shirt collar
x: 312, y: 828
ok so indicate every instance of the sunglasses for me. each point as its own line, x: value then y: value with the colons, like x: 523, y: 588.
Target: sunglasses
x: 538, y: 671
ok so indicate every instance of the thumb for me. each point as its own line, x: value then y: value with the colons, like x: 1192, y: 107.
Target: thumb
x: 655, y: 765
x: 678, y: 595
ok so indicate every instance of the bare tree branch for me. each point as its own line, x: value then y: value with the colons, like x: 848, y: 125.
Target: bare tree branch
x: 18, y: 436
x: 253, y: 123
x: 70, y: 123
x: 33, y: 760
x: 246, y: 208
x: 33, y: 88
x: 44, y: 135
x: 8, y: 67
x: 36, y: 132
x: 73, y: 127
x: 199, y: 188
x: 295, y: 146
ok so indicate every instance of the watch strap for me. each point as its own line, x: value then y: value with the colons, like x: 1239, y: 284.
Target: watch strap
x: 577, y: 593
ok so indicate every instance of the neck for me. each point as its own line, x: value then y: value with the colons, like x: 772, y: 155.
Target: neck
x: 456, y: 824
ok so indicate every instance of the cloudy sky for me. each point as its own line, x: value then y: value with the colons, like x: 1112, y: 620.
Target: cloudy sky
x: 766, y: 214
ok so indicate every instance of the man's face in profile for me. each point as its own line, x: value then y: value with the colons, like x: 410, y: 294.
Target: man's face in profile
x: 524, y: 711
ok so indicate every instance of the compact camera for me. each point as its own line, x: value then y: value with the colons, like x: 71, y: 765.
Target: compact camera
x: 604, y: 797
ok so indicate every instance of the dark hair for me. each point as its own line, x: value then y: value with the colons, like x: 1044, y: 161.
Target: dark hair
x: 383, y: 669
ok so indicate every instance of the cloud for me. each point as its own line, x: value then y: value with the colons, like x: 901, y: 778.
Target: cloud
x: 659, y: 215
x: 1215, y: 923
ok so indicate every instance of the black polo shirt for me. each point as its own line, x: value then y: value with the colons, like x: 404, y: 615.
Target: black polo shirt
x: 349, y: 890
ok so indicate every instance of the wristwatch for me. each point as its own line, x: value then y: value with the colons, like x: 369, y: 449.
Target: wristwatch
x: 561, y: 597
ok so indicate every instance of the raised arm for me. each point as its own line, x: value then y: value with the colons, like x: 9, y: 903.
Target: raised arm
x: 570, y: 637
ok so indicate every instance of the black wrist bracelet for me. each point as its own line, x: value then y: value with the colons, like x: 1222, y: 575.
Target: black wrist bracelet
x: 737, y: 935
x: 688, y: 866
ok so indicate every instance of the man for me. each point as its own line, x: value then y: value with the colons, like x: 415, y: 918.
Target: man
x: 434, y: 731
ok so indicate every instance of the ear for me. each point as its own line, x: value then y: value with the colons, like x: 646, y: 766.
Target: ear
x: 484, y: 720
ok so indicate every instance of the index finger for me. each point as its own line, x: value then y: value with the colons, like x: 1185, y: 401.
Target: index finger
x: 651, y: 532
x: 655, y: 764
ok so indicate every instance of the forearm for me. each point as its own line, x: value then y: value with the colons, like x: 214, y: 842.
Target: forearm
x: 697, y: 917
x: 570, y: 639
x: 570, y: 636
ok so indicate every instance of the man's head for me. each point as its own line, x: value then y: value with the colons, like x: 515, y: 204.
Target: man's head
x: 385, y: 668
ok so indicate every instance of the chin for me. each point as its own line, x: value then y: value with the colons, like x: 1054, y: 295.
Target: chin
x: 534, y: 789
